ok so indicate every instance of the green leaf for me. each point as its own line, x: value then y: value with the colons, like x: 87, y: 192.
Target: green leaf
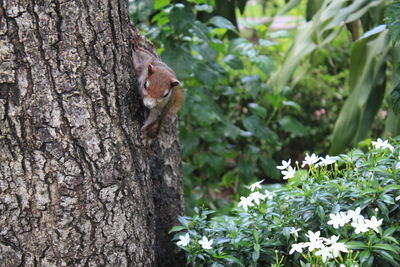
x: 239, y: 46
x: 160, y: 3
x: 386, y: 247
x: 212, y: 2
x: 189, y: 144
x: 207, y: 73
x: 256, y: 254
x: 376, y: 30
x: 291, y: 125
x: 321, y: 213
x: 229, y: 179
x: 391, y: 239
x: 368, y: 66
x: 177, y: 229
x: 233, y: 62
x: 259, y: 110
x: 325, y: 26
x: 184, y: 220
x: 182, y: 18
x: 201, y: 31
x: 391, y: 187
x: 292, y: 104
x: 267, y: 43
x: 356, y: 245
x: 221, y: 22
x: 394, y: 99
x: 231, y: 258
x: 200, y: 158
x: 269, y: 167
x: 387, y: 257
x: 383, y: 208
x: 392, y: 19
x: 387, y: 199
x: 179, y: 59
x: 264, y: 63
x: 256, y: 236
x: 390, y: 231
x: 312, y: 7
x: 365, y: 256
x: 204, y: 7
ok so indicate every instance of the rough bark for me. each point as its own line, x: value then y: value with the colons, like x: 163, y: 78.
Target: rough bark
x: 77, y: 186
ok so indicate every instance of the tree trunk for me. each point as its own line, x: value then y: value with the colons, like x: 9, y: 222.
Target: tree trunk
x: 77, y: 185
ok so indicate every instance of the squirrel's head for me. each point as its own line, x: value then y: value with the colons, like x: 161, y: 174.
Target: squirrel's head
x: 159, y: 86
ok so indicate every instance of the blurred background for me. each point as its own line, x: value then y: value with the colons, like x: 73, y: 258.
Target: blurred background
x: 269, y: 80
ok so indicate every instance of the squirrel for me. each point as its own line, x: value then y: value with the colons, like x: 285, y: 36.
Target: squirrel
x: 159, y: 89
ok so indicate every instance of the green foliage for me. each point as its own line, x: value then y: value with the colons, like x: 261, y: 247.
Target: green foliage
x: 324, y: 27
x: 350, y: 201
x: 392, y: 20
x: 230, y: 120
x: 237, y: 120
x: 395, y: 100
x: 368, y: 66
x: 367, y: 84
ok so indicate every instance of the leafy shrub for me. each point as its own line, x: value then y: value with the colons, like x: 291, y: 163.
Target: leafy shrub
x: 338, y: 210
x: 231, y: 119
x: 371, y: 56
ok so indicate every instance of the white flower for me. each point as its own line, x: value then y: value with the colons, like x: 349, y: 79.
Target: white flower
x: 359, y: 226
x: 325, y: 253
x: 328, y: 160
x: 298, y: 248
x: 285, y: 165
x: 245, y: 203
x: 332, y: 240
x: 336, y: 247
x: 289, y: 173
x: 354, y: 215
x: 205, y: 243
x: 335, y: 220
x: 382, y: 144
x: 339, y: 219
x: 397, y: 198
x: 294, y: 231
x: 184, y: 240
x: 373, y: 223
x: 257, y: 196
x: 309, y: 160
x: 268, y: 195
x: 313, y: 236
x: 315, y: 241
x: 256, y: 185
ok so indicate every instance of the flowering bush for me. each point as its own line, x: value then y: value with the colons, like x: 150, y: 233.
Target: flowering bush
x: 333, y: 211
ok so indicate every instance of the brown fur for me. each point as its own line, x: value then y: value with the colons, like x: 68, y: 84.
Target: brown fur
x: 161, y: 78
x: 178, y: 101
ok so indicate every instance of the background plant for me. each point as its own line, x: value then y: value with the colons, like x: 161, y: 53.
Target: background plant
x: 264, y: 231
x: 373, y: 64
x: 234, y: 127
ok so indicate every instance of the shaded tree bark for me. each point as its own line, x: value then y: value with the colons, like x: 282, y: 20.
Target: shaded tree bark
x: 77, y: 186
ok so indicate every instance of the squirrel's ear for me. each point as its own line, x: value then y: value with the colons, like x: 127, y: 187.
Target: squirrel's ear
x: 150, y: 68
x: 174, y: 82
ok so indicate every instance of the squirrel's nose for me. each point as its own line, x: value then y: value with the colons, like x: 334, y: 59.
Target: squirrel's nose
x: 149, y: 102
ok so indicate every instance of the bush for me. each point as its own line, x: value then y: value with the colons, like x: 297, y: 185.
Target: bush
x: 232, y: 124
x: 340, y: 210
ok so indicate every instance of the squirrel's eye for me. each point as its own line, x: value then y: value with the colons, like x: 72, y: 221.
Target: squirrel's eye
x: 166, y: 93
x: 146, y: 84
